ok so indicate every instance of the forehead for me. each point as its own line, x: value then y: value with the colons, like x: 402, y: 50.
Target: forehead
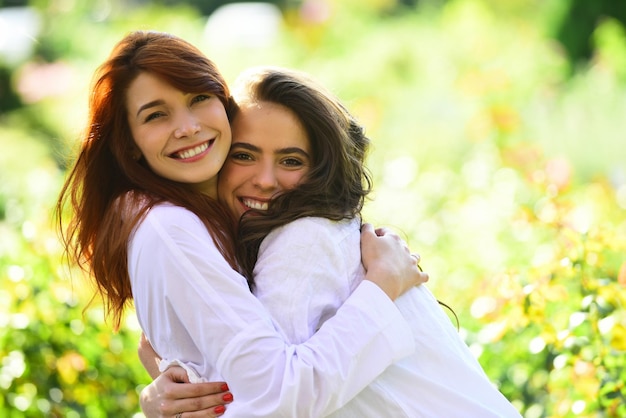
x: 146, y: 81
x: 146, y: 87
x: 269, y: 125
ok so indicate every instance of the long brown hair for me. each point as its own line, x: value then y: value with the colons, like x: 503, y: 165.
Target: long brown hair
x: 109, y: 189
x: 337, y: 183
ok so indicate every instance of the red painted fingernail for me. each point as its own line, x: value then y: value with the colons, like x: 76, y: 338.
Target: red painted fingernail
x: 224, y: 387
x: 228, y: 397
x: 220, y: 409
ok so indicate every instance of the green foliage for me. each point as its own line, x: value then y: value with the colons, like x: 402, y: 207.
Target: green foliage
x: 558, y: 320
x: 53, y: 360
x: 504, y: 171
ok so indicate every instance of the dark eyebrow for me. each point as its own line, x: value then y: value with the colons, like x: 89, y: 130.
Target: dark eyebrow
x: 247, y: 146
x: 254, y: 148
x: 150, y: 104
x: 293, y: 150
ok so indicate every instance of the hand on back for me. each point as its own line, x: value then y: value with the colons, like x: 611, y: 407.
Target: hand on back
x: 389, y: 262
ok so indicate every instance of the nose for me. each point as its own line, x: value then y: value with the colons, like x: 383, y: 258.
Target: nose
x: 187, y: 125
x: 265, y: 178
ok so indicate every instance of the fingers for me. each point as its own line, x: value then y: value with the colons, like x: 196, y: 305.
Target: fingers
x: 367, y: 228
x: 196, y: 390
x: 165, y: 397
x: 389, y: 262
x: 415, y: 270
x: 206, y: 406
x: 383, y: 231
x: 209, y: 405
x: 390, y: 234
x: 422, y: 276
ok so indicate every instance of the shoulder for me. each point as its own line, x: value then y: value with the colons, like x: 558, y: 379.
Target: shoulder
x: 315, y: 227
x: 171, y: 216
x: 313, y: 232
x: 171, y: 235
x: 171, y: 224
x: 169, y: 211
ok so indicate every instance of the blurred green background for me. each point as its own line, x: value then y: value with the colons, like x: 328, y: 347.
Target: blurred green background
x: 499, y: 153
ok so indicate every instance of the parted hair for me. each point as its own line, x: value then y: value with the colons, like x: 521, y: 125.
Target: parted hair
x: 110, y: 188
x: 337, y: 183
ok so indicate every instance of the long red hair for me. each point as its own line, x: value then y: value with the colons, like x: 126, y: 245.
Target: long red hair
x: 107, y: 189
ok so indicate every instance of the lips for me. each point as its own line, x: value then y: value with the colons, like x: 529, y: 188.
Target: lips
x: 192, y: 152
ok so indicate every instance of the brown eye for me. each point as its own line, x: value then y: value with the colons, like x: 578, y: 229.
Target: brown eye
x: 293, y: 162
x: 242, y: 156
x: 201, y: 98
x: 153, y: 116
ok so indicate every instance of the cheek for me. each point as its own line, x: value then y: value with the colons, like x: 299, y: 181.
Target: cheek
x: 229, y: 180
x: 148, y: 151
x: 215, y: 114
x: 145, y: 141
x: 291, y: 180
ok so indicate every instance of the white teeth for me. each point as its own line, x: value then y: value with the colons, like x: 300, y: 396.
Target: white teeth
x: 193, y: 151
x: 253, y: 204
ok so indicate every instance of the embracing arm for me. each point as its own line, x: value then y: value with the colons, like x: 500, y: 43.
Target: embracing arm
x: 193, y: 307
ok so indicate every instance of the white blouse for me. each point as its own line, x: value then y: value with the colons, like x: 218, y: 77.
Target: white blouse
x: 304, y: 273
x: 194, y: 308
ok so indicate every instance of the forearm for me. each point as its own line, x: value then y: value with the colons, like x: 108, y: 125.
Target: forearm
x: 316, y: 378
x: 149, y: 358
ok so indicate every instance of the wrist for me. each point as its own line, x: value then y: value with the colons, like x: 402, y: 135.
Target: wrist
x: 383, y: 280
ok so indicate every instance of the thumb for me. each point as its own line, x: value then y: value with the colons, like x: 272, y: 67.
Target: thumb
x: 177, y: 374
x: 367, y: 228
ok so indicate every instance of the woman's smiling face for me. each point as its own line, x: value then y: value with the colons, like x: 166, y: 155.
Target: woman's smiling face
x: 270, y: 153
x: 184, y: 137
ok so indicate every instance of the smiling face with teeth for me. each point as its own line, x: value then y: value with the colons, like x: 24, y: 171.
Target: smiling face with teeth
x: 270, y: 153
x: 183, y: 137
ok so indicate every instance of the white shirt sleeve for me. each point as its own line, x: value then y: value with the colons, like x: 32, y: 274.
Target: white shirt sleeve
x: 193, y: 307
